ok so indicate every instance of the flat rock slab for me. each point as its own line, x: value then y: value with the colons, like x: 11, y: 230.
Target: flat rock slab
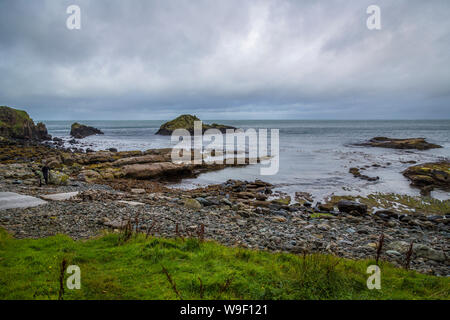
x: 59, y: 196
x: 132, y: 203
x: 11, y: 200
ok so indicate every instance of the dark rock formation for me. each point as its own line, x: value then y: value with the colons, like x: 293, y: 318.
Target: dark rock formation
x: 428, y: 175
x: 17, y: 124
x: 186, y: 121
x: 352, y: 207
x: 81, y: 131
x: 410, y: 143
x: 357, y: 174
x: 41, y: 132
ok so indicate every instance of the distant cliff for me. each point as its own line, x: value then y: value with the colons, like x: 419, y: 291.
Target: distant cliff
x: 17, y: 124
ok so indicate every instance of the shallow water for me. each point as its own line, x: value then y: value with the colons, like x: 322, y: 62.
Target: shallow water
x: 315, y: 156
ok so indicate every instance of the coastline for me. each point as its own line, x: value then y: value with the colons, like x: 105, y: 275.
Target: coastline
x: 230, y: 212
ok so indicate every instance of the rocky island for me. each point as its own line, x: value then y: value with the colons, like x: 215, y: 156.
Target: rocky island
x: 409, y: 143
x: 186, y: 121
x: 81, y: 131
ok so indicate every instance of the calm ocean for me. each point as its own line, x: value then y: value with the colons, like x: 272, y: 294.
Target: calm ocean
x: 315, y: 156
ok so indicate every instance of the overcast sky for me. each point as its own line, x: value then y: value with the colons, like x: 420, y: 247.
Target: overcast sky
x: 226, y: 59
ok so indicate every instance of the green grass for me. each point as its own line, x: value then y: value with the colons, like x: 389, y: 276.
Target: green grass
x: 29, y: 269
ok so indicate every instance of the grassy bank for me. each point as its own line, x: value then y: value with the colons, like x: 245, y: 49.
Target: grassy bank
x: 30, y: 269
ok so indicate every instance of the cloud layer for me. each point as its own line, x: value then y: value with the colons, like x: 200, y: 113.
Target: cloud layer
x: 226, y: 59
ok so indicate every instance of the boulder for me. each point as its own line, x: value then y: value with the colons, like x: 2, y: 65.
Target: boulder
x: 58, y: 178
x: 351, y: 207
x: 88, y: 175
x: 192, y: 204
x: 186, y: 121
x: 435, y: 174
x: 325, y: 207
x: 423, y: 251
x: 81, y: 131
x: 17, y: 124
x: 399, y: 246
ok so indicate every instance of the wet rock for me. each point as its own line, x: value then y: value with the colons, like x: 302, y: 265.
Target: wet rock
x: 386, y: 214
x: 325, y: 207
x: 436, y: 174
x: 348, y: 206
x: 410, y: 143
x: 73, y: 141
x: 357, y: 174
x: 282, y: 201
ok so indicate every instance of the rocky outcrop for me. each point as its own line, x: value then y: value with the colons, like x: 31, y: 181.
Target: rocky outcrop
x: 357, y: 174
x: 352, y: 207
x: 186, y: 121
x: 154, y: 170
x: 42, y: 133
x: 81, y: 131
x: 428, y: 175
x: 17, y: 124
x: 150, y: 158
x: 410, y: 143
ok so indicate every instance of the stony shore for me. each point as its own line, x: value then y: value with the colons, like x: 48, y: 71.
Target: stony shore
x: 230, y: 216
x: 116, y: 188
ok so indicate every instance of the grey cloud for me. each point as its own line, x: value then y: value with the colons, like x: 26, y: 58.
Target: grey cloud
x: 226, y: 59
